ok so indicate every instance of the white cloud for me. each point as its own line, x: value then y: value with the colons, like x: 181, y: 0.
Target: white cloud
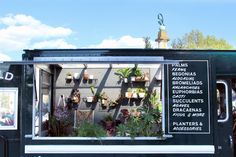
x: 4, y: 57
x: 126, y: 41
x: 18, y: 32
x: 59, y: 43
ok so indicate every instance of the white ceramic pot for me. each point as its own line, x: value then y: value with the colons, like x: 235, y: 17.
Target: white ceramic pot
x: 90, y: 99
x: 125, y: 80
x: 132, y: 78
x: 90, y: 77
x: 141, y: 95
x: 135, y: 95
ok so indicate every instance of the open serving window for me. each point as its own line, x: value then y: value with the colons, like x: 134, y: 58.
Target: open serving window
x: 105, y: 99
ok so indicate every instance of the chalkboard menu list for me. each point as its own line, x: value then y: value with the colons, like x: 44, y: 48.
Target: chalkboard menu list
x: 188, y: 106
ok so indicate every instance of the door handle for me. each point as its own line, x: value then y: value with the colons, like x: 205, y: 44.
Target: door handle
x: 231, y: 141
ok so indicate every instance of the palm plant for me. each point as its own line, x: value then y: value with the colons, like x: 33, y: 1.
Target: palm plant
x: 124, y: 73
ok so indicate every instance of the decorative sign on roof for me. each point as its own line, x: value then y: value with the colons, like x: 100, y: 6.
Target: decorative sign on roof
x: 160, y: 19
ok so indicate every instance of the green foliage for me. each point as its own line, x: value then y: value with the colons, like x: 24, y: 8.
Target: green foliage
x: 108, y: 118
x: 147, y: 42
x: 196, y: 40
x: 101, y: 96
x: 92, y: 90
x: 122, y: 130
x: 123, y: 73
x: 68, y: 74
x: 137, y: 71
x: 154, y: 100
x: 140, y: 126
x: 141, y: 90
x: 87, y: 129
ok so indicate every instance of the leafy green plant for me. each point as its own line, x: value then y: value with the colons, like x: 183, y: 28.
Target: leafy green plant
x: 137, y: 72
x: 141, y: 90
x: 146, y: 123
x: 124, y: 73
x: 68, y: 74
x: 154, y: 100
x: 87, y: 129
x: 108, y: 118
x: 92, y: 90
x: 122, y: 130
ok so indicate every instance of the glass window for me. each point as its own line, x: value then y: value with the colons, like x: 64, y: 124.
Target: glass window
x: 43, y: 105
x: 221, y: 100
x: 8, y: 108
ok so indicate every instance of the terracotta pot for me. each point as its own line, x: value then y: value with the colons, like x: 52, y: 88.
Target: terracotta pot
x: 128, y: 94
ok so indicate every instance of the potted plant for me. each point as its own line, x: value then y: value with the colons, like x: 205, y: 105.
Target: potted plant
x: 109, y: 124
x: 154, y: 100
x: 138, y: 73
x: 86, y: 75
x: 91, y: 77
x: 87, y: 129
x: 129, y: 93
x: 103, y: 98
x: 108, y: 118
x: 124, y: 74
x: 134, y: 94
x: 113, y: 103
x: 141, y: 92
x: 69, y: 76
x: 146, y: 77
x: 125, y: 113
x: 92, y: 98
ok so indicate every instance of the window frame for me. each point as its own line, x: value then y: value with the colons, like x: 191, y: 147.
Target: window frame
x: 162, y: 92
x: 14, y: 90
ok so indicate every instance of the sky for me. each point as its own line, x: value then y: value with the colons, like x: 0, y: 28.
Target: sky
x: 46, y: 24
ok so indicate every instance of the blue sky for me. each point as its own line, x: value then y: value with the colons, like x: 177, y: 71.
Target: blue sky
x: 107, y: 23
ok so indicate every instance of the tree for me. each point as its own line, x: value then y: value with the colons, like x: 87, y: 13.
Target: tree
x: 147, y: 42
x: 196, y: 40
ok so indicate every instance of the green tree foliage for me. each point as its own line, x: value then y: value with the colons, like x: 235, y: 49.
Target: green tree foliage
x: 147, y: 42
x: 196, y: 40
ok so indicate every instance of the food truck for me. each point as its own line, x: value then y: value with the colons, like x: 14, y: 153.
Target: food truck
x: 118, y: 102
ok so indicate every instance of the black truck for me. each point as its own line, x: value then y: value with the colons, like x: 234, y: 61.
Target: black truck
x: 118, y: 102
